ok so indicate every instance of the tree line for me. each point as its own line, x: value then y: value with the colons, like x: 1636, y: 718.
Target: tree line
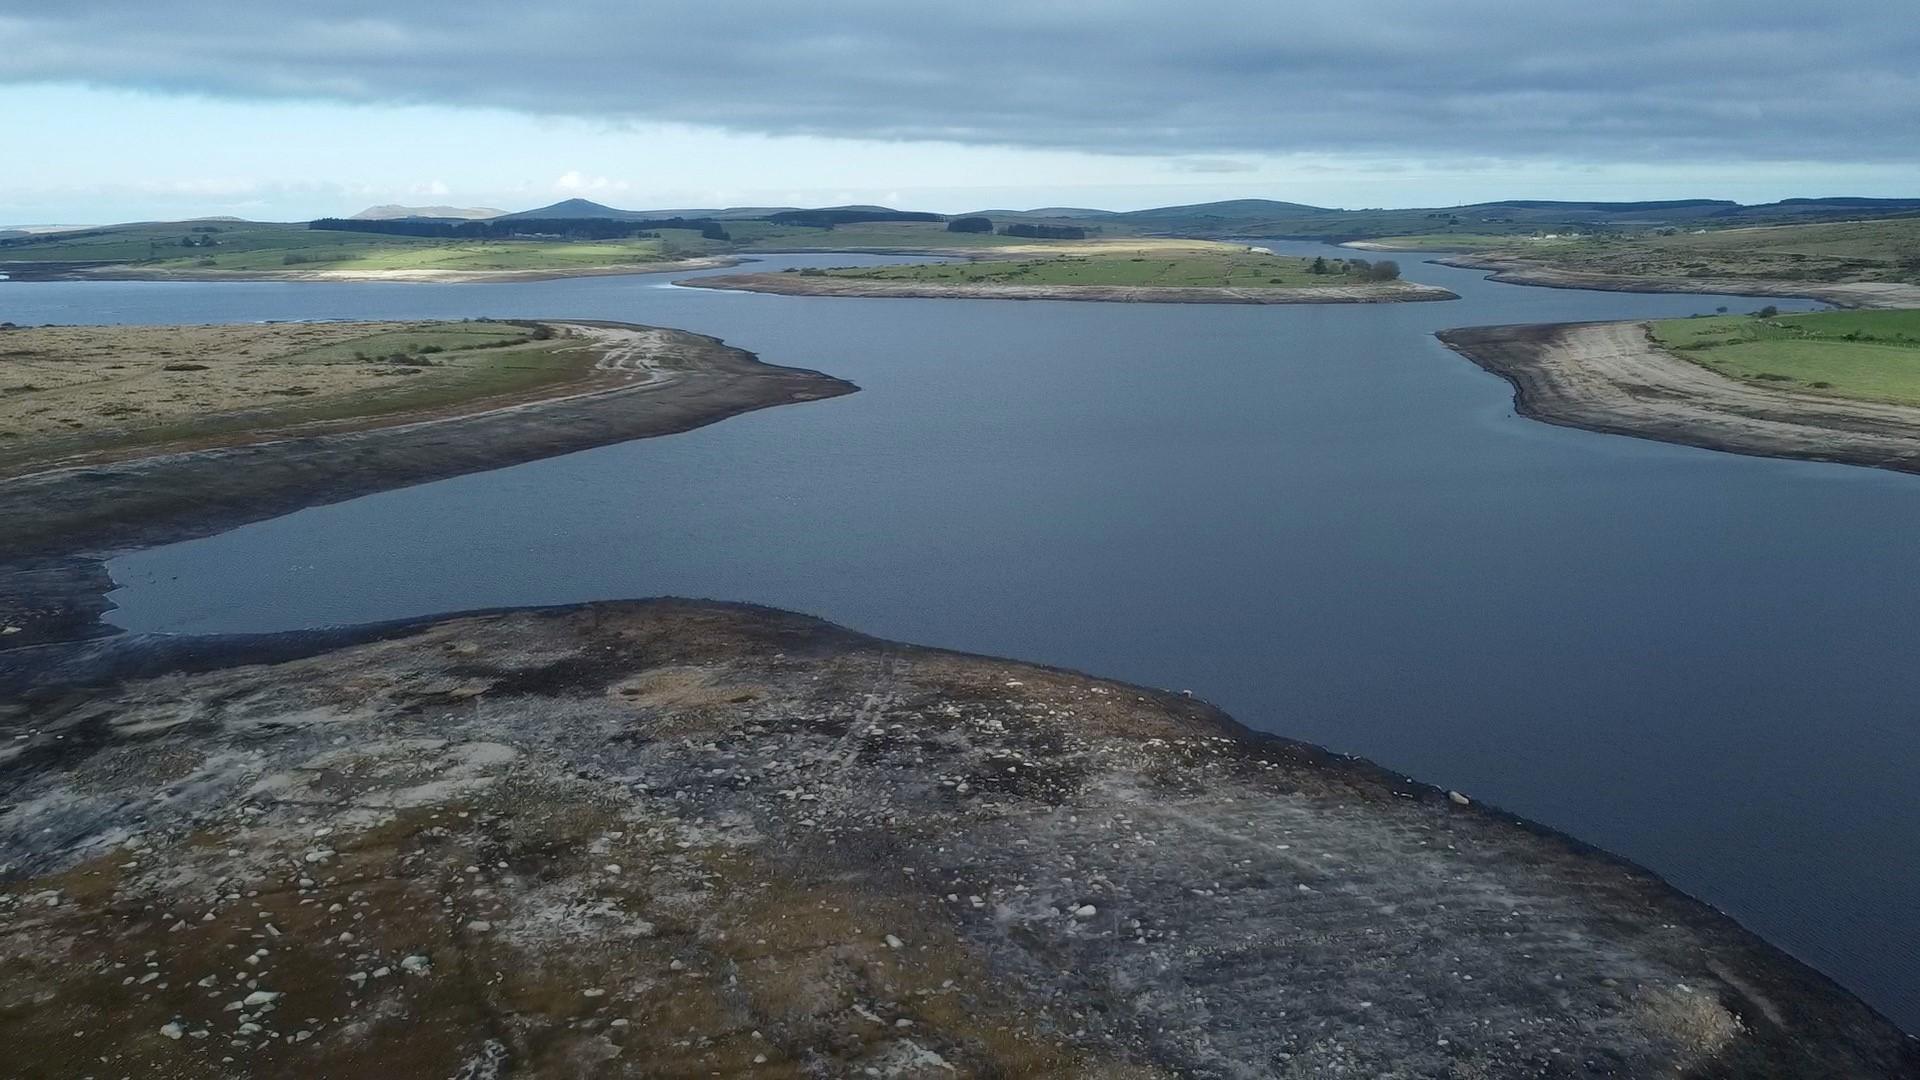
x: 1382, y: 270
x: 827, y: 219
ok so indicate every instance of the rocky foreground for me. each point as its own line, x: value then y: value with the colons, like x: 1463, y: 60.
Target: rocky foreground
x: 677, y: 839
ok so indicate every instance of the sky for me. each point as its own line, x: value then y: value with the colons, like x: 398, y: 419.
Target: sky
x: 134, y: 109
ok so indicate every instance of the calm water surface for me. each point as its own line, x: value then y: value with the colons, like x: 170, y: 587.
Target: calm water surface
x: 1316, y: 517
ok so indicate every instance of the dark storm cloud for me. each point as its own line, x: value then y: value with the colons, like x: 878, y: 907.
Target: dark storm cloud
x: 1757, y: 79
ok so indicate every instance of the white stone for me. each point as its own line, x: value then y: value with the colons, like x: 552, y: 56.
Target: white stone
x: 259, y: 997
x: 415, y: 965
x: 172, y: 1031
x: 1458, y: 798
x: 894, y: 942
x: 1085, y: 911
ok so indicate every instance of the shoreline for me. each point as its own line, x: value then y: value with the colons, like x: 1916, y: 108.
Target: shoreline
x: 795, y: 284
x: 1611, y: 377
x: 125, y: 272
x: 1845, y: 294
x: 58, y: 525
x: 786, y: 773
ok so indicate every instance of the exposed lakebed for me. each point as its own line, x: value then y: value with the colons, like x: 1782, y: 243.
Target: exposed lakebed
x: 1316, y: 517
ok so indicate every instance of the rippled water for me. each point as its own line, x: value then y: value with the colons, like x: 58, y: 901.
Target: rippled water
x: 1316, y: 517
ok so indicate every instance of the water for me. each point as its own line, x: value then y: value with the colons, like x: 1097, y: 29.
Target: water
x: 1316, y: 517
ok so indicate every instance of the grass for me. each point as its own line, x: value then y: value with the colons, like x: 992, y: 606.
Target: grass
x: 111, y: 390
x: 1858, y: 355
x: 1885, y: 250
x: 1239, y: 268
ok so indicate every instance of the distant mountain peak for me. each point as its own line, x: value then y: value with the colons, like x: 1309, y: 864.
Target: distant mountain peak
x: 394, y: 211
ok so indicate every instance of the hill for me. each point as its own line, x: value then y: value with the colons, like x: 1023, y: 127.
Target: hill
x: 577, y: 208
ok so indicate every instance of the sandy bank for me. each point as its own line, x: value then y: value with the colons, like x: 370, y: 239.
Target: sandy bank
x: 1611, y: 377
x: 707, y: 839
x: 111, y: 272
x: 648, y: 381
x: 1847, y: 294
x: 824, y: 285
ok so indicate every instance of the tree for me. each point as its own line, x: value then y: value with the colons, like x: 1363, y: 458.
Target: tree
x: 970, y: 225
x: 1319, y: 264
x: 1385, y: 270
x: 1767, y: 312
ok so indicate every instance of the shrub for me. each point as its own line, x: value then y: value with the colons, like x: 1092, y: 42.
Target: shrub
x: 1384, y: 270
x: 1767, y: 312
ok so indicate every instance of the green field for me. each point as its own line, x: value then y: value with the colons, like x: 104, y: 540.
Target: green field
x: 1862, y: 355
x: 1240, y: 269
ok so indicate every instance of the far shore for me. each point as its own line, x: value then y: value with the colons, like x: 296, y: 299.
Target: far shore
x: 126, y: 272
x: 1847, y: 294
x: 795, y: 284
x: 1612, y: 377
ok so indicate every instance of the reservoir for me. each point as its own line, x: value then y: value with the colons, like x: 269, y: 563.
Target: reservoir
x: 1316, y: 517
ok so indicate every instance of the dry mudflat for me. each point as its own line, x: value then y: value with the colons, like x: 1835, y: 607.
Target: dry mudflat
x: 678, y: 839
x: 1613, y: 377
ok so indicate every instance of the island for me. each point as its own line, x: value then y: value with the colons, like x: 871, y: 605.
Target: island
x: 709, y: 839
x: 1191, y: 272
x: 1828, y: 386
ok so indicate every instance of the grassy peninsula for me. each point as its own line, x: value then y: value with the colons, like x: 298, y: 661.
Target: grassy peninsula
x: 71, y: 392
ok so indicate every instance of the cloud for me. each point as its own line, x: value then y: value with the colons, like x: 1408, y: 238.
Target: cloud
x: 1214, y: 165
x: 1637, y: 80
x: 573, y: 182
